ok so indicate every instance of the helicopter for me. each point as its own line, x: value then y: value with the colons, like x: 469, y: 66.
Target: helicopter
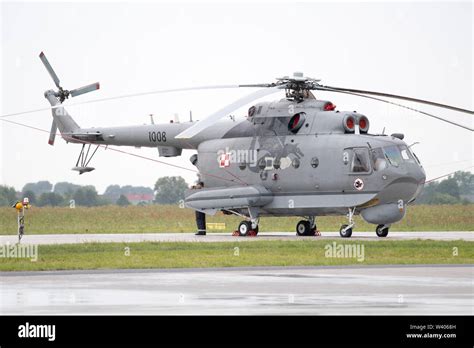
x: 295, y: 156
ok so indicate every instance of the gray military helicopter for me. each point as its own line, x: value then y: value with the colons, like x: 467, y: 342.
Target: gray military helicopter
x: 297, y: 156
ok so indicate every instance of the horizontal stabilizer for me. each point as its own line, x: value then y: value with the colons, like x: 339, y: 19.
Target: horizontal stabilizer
x: 83, y: 170
x: 97, y: 136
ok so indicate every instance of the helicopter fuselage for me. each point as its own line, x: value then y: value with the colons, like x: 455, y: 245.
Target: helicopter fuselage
x: 287, y: 158
x: 294, y: 156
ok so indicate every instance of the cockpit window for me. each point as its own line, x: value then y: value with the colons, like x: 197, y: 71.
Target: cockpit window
x: 380, y: 162
x: 360, y: 161
x: 393, y: 155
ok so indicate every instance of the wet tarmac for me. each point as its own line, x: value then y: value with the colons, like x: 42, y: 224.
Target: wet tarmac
x: 331, y: 290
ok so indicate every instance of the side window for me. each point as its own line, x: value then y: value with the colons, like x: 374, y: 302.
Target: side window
x: 360, y: 161
x: 406, y: 155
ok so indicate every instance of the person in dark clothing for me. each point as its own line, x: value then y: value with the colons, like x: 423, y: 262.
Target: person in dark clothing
x: 200, y: 216
x: 201, y: 223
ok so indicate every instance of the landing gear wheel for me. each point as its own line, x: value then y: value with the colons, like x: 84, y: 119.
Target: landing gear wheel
x: 345, y: 233
x: 244, y: 228
x: 253, y: 232
x: 381, y: 231
x: 303, y: 228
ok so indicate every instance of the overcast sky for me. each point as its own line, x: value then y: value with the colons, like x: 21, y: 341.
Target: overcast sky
x: 421, y: 49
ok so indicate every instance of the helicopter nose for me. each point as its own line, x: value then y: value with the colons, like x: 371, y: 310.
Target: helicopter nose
x: 406, y: 184
x: 420, y: 178
x: 417, y: 173
x: 417, y: 177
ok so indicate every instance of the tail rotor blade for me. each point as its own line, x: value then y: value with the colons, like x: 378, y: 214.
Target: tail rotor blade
x: 85, y: 89
x: 52, y: 133
x: 50, y: 69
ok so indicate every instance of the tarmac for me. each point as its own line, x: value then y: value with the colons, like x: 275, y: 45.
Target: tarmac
x: 42, y: 239
x: 324, y: 290
x: 330, y: 290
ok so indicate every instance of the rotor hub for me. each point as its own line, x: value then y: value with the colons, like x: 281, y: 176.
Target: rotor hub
x: 62, y: 94
x: 298, y: 86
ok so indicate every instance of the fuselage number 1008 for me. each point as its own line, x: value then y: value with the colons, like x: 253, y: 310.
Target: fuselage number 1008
x: 155, y: 137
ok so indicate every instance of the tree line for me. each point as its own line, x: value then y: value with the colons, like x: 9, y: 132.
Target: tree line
x: 456, y: 189
x: 167, y: 190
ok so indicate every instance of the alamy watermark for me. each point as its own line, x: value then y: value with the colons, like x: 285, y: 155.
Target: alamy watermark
x: 37, y: 331
x: 334, y: 250
x: 227, y: 156
x: 20, y: 251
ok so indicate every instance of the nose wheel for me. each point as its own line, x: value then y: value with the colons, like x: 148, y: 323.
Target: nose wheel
x: 382, y: 230
x: 346, y: 230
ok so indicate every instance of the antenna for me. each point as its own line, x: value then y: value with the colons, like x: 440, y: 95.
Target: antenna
x: 383, y: 131
x: 190, y: 116
x: 151, y: 118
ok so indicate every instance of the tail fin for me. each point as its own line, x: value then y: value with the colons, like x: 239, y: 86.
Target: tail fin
x: 61, y: 119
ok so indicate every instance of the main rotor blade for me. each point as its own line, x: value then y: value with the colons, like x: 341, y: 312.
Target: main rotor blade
x: 85, y: 89
x: 213, y: 118
x: 262, y: 85
x: 141, y: 94
x: 380, y: 94
x: 329, y: 89
x: 123, y: 96
x: 50, y: 69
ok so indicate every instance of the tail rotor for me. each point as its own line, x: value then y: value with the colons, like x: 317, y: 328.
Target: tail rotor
x: 62, y: 94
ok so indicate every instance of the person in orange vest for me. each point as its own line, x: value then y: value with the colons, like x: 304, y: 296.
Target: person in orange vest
x: 20, y: 208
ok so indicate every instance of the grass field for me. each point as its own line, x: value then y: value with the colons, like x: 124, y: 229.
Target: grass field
x: 258, y: 253
x: 170, y: 218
